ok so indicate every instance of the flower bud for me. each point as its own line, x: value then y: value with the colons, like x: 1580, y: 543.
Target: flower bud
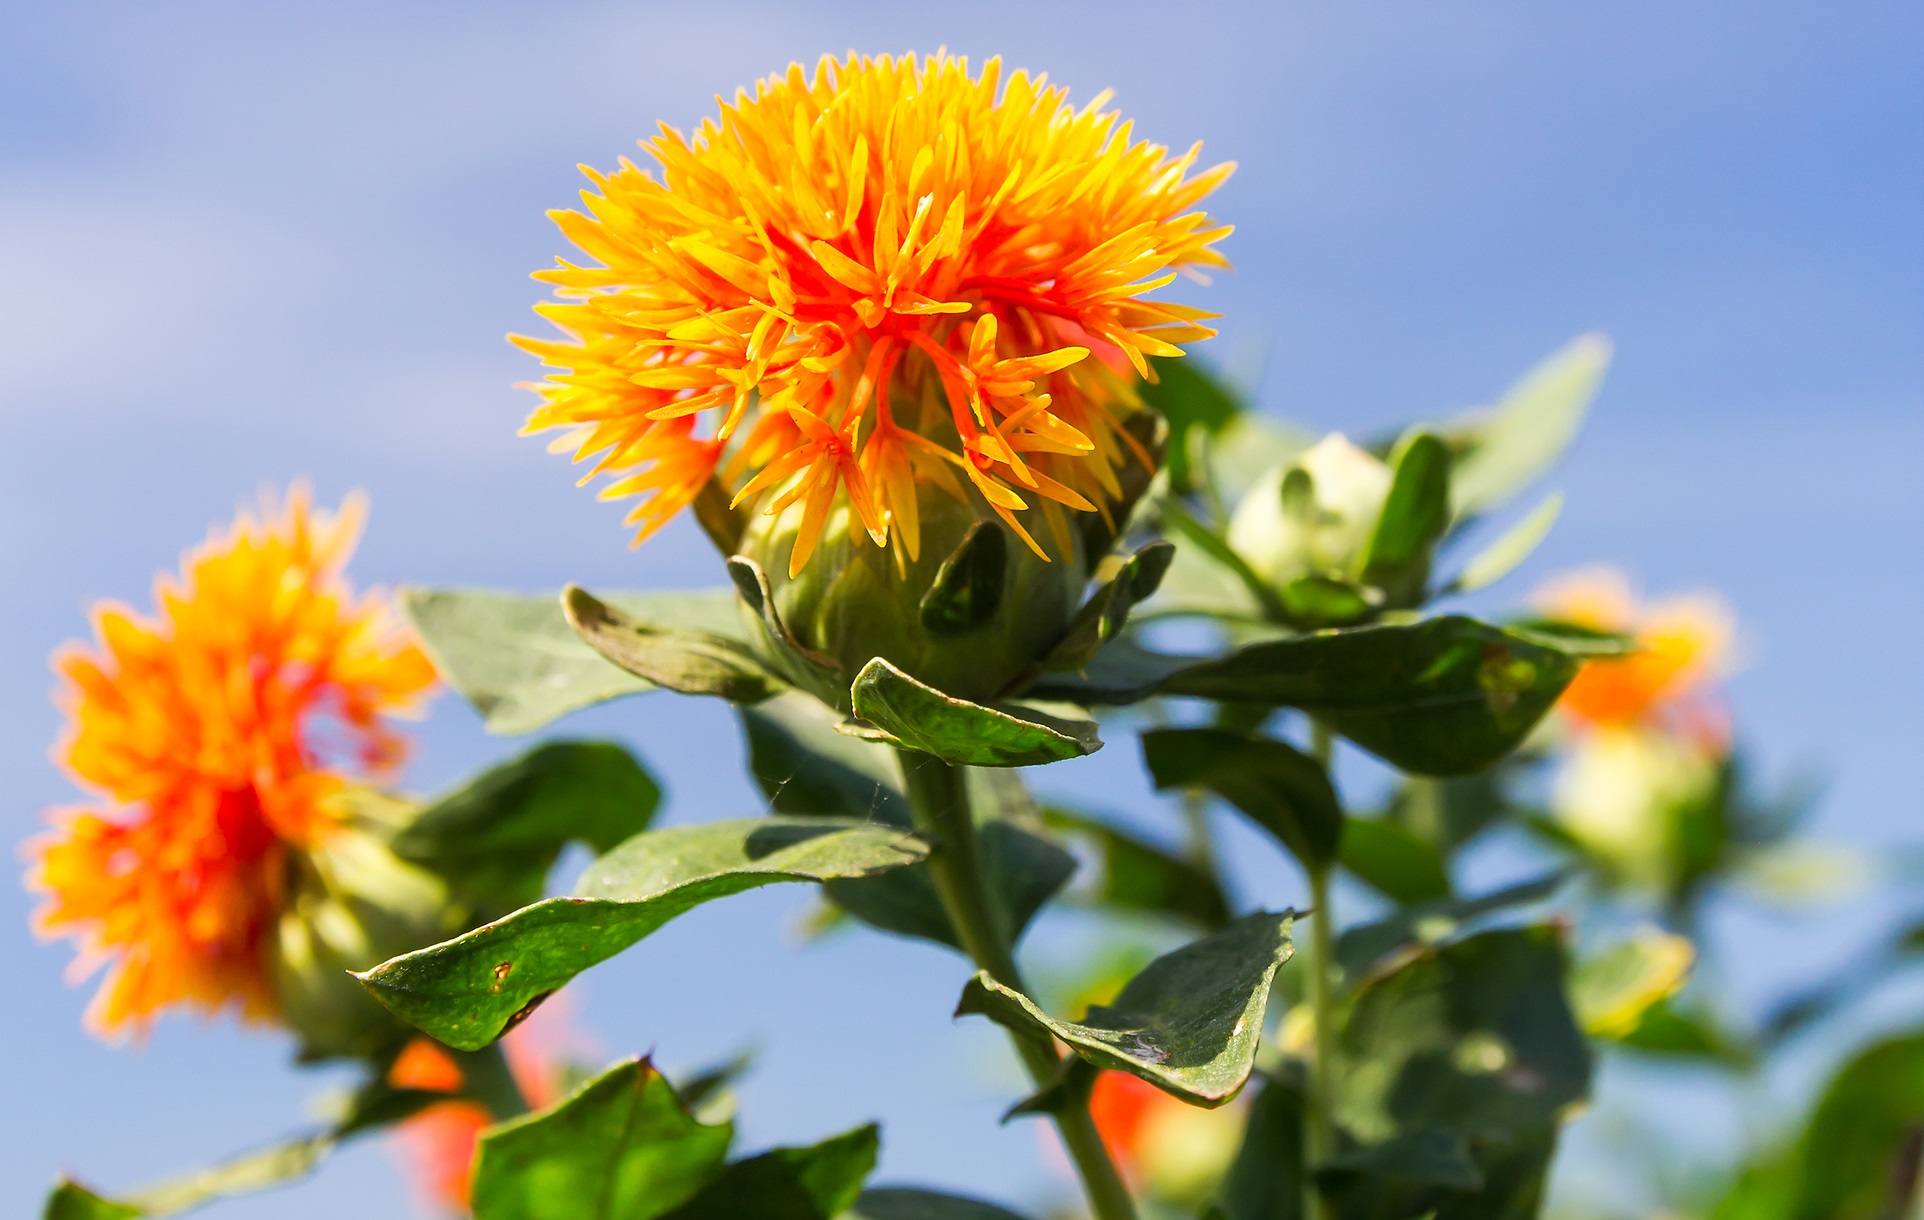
x: 1312, y: 516
x: 970, y: 613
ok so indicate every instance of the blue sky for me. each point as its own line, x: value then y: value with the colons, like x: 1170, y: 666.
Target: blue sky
x: 244, y: 243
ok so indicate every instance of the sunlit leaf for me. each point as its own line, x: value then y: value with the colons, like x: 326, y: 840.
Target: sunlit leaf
x: 1503, y: 556
x: 469, y: 991
x: 819, y: 1182
x: 694, y: 661
x: 1613, y: 989
x: 1529, y: 428
x: 916, y: 716
x: 1415, y: 517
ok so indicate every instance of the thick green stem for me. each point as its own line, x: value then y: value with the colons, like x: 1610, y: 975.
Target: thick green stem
x: 940, y: 802
x: 1321, y: 1139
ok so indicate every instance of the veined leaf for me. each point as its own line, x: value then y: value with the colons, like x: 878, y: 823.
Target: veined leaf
x: 622, y: 1147
x: 916, y: 716
x: 1188, y: 1024
x: 516, y: 659
x: 496, y: 837
x: 692, y: 661
x: 469, y: 991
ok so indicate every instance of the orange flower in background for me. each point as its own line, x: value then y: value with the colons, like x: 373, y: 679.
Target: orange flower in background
x: 1165, y: 1147
x: 211, y: 736
x: 1683, y: 645
x: 886, y: 252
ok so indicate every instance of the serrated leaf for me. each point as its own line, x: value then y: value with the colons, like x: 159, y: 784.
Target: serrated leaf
x: 1397, y: 863
x: 1277, y: 786
x: 1415, y: 516
x: 1441, y: 696
x: 916, y: 716
x: 692, y: 661
x: 819, y: 1182
x: 1188, y: 1024
x: 622, y: 1147
x: 469, y: 991
x: 1511, y: 547
x: 496, y: 838
x: 516, y: 659
x: 904, y: 1203
x: 1103, y: 616
x: 1140, y: 876
x: 1529, y: 428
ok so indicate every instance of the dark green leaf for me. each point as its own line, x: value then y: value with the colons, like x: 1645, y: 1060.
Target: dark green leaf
x: 623, y: 1147
x: 807, y: 768
x: 1433, y: 922
x: 1104, y: 614
x: 1280, y: 788
x: 1447, y: 813
x: 919, y: 717
x: 515, y: 657
x: 1190, y: 399
x: 968, y: 586
x: 1511, y: 548
x: 496, y: 837
x: 1870, y: 1116
x: 1672, y: 1030
x: 1442, y: 696
x: 1121, y: 672
x: 1023, y: 871
x: 1188, y: 1024
x: 690, y: 660
x: 1396, y: 862
x: 819, y: 1182
x: 1265, y: 1182
x: 1528, y: 430
x: 1451, y: 1077
x: 1415, y: 517
x: 1139, y: 876
x: 469, y: 991
x: 902, y: 1203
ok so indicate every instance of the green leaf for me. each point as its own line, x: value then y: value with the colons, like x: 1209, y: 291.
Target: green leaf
x: 820, y: 1182
x: 469, y: 991
x: 1265, y: 1181
x: 1280, y: 788
x: 1102, y: 617
x: 70, y: 1200
x: 1448, y: 813
x: 690, y: 660
x: 1441, y: 696
x: 1122, y: 672
x: 1396, y: 862
x: 968, y: 586
x: 916, y: 716
x: 1873, y: 1106
x: 1511, y: 547
x: 622, y: 1147
x: 1433, y: 923
x: 1451, y: 1077
x: 1573, y: 638
x: 1529, y: 428
x: 1313, y: 602
x: 903, y: 1203
x: 496, y: 837
x: 807, y: 768
x: 1614, y: 989
x: 1415, y: 517
x: 1671, y: 1030
x: 1188, y: 1024
x: 1139, y: 876
x: 516, y: 659
x: 1190, y: 398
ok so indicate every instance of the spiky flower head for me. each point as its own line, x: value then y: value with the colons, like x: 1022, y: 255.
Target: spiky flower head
x: 213, y: 737
x: 884, y: 276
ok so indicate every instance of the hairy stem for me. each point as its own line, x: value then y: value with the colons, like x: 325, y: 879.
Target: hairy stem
x: 1321, y: 1140
x: 940, y: 803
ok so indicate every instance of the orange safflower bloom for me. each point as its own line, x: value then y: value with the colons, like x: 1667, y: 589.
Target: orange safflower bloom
x: 1122, y: 1106
x: 211, y: 737
x: 887, y: 249
x: 1682, y: 645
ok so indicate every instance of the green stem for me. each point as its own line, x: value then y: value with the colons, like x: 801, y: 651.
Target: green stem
x: 939, y: 800
x: 1321, y: 1140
